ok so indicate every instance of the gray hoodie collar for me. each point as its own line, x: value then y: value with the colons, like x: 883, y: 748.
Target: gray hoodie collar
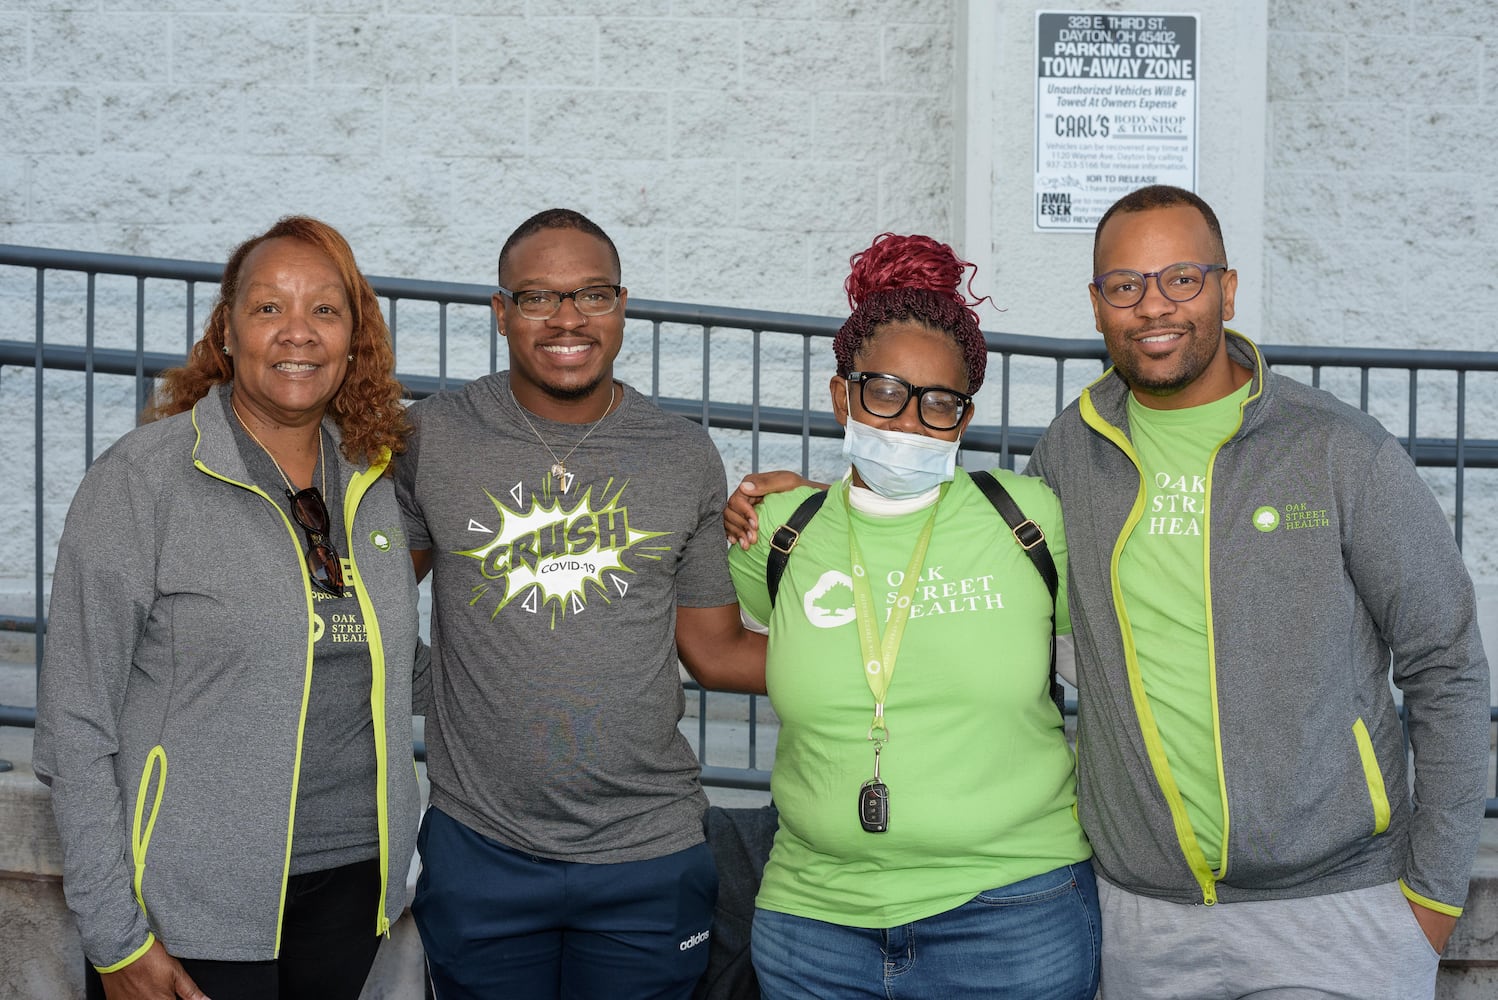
x: 216, y: 448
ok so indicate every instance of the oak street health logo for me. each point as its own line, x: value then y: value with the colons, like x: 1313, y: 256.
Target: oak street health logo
x: 829, y: 602
x: 554, y: 558
x: 1296, y: 517
x: 1266, y: 519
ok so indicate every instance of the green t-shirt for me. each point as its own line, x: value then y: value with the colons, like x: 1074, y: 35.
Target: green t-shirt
x: 980, y: 776
x: 1162, y: 573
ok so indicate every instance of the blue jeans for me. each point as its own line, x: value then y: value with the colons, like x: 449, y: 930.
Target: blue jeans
x: 497, y: 922
x: 1037, y: 939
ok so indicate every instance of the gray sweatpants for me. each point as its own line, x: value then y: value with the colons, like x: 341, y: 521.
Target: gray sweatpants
x: 1358, y: 945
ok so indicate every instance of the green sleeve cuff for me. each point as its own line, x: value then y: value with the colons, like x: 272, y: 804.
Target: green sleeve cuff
x: 137, y: 953
x: 1427, y: 902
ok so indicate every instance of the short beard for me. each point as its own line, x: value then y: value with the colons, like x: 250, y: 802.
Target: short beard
x: 569, y: 394
x: 1154, y: 387
x: 1191, y: 367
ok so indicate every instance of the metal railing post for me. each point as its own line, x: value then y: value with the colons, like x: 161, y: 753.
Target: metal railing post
x: 800, y: 422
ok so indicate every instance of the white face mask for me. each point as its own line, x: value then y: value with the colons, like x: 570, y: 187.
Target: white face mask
x: 895, y: 464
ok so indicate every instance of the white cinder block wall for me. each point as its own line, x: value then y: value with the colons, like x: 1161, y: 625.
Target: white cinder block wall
x: 1381, y: 207
x: 738, y: 153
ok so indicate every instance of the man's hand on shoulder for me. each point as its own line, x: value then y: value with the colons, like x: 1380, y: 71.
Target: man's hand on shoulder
x: 739, y: 520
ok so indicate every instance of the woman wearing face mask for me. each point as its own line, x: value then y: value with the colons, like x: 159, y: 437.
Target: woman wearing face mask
x: 927, y: 844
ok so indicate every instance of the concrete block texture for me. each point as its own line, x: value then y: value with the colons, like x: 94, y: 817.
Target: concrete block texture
x: 240, y: 46
x: 49, y: 118
x: 1463, y: 983
x: 739, y: 153
x: 1381, y: 143
x: 527, y: 52
x: 28, y: 838
x: 1469, y: 965
x: 1309, y: 66
x: 1292, y: 15
x: 14, y: 36
x: 735, y: 125
x: 383, y: 49
x: 96, y: 47
x: 1413, y: 69
x: 811, y: 56
x: 1444, y: 139
x: 1316, y: 136
x: 680, y: 54
x: 44, y: 958
x: 131, y: 123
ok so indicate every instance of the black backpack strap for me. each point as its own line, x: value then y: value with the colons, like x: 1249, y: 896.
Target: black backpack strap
x: 1032, y: 539
x: 1026, y: 532
x: 785, y: 538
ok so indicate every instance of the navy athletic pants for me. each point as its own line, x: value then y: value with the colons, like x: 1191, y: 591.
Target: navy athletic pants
x: 498, y: 922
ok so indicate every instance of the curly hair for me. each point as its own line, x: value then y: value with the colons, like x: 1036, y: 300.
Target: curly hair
x: 367, y: 406
x: 910, y: 278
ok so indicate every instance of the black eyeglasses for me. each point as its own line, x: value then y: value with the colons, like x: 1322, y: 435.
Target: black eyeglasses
x: 940, y: 408
x: 1181, y: 282
x: 323, y: 564
x: 542, y: 303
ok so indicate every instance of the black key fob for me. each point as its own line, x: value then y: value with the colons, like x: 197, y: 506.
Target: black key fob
x: 873, y: 806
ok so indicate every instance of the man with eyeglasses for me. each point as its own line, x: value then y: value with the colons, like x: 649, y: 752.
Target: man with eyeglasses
x: 574, y: 530
x: 1248, y: 557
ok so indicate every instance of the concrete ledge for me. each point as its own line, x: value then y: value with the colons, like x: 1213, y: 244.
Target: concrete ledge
x: 1469, y: 967
x: 399, y: 971
x: 28, y: 837
x: 43, y: 956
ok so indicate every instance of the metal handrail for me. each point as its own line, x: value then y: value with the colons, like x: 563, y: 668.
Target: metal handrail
x: 1005, y: 439
x: 690, y: 314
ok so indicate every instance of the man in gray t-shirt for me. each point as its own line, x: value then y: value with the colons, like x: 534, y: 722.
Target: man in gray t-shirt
x: 575, y: 530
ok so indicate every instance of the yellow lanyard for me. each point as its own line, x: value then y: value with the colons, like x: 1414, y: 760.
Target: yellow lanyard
x: 879, y: 657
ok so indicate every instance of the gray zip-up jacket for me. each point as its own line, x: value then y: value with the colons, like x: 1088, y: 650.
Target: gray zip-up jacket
x: 1327, y: 557
x: 174, y: 687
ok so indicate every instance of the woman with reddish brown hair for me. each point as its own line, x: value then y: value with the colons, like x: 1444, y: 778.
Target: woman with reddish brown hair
x: 367, y: 405
x: 224, y: 706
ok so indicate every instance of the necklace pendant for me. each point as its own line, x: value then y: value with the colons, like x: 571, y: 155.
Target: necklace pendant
x: 559, y: 471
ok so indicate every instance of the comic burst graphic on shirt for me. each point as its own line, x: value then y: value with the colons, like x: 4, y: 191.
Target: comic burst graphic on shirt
x: 555, y: 559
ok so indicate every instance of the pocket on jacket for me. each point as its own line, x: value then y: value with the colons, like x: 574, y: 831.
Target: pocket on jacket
x: 1373, y: 775
x: 145, y: 819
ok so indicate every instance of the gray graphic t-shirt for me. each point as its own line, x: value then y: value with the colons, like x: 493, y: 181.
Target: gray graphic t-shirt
x: 335, y: 813
x: 555, y: 688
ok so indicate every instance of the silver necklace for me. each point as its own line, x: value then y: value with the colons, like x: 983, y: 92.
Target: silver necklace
x: 559, y: 465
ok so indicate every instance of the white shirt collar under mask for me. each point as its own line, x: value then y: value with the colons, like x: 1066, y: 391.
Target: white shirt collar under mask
x: 896, y: 465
